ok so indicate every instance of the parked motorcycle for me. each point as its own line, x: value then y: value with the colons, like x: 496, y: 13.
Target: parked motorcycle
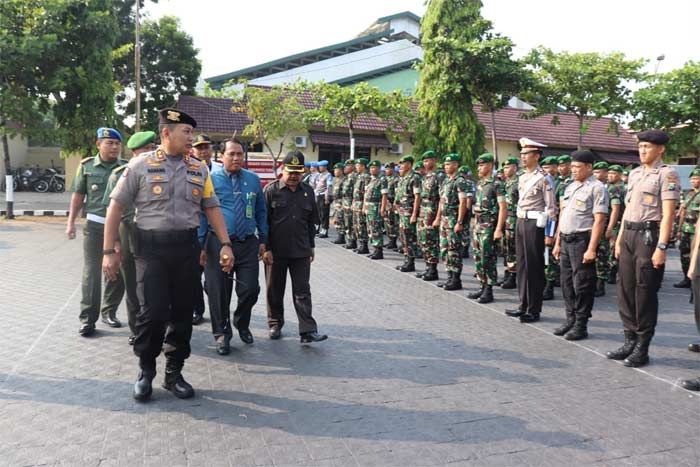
x: 28, y: 177
x: 51, y: 180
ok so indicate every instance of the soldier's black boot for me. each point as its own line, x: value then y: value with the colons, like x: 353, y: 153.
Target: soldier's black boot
x: 143, y: 387
x: 378, y: 253
x: 640, y: 354
x: 599, y: 288
x: 566, y: 327
x: 431, y: 274
x: 340, y: 240
x: 548, y: 293
x: 612, y: 278
x: 486, y: 295
x: 626, y: 349
x: 455, y: 282
x: 352, y: 244
x: 509, y: 282
x: 443, y: 283
x: 683, y: 284
x: 174, y: 382
x: 579, y: 331
x: 391, y: 245
x: 409, y: 265
x: 399, y: 266
x: 363, y: 248
x: 476, y: 294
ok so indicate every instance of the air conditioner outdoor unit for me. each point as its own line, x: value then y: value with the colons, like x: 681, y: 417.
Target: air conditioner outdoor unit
x: 397, y: 148
x: 300, y: 141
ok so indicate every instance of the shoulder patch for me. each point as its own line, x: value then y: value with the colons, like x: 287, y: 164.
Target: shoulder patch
x: 87, y: 159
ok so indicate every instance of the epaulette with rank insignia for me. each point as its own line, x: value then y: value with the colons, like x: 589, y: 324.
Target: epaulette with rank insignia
x: 87, y: 159
x: 119, y: 169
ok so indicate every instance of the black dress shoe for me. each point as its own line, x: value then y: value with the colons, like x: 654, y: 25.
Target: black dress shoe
x: 309, y: 337
x: 691, y: 384
x: 197, y: 319
x: 530, y: 318
x: 86, y: 330
x: 516, y: 313
x: 143, y: 388
x: 275, y: 333
x: 223, y: 346
x: 132, y: 339
x: 694, y: 347
x: 246, y: 336
x: 178, y: 386
x: 112, y: 322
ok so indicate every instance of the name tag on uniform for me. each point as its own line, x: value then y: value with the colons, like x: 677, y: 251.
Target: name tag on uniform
x: 649, y: 198
x: 579, y: 202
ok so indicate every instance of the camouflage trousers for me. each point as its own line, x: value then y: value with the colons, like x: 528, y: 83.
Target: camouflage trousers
x: 602, y: 265
x: 450, y: 244
x: 339, y: 217
x: 684, y: 246
x: 612, y: 261
x: 428, y: 237
x: 408, y: 236
x: 349, y: 224
x: 359, y: 221
x: 509, y: 249
x: 375, y: 224
x: 552, y: 270
x: 485, y: 253
x: 391, y: 223
x: 467, y: 232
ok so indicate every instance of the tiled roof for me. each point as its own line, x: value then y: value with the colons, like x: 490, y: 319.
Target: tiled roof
x: 213, y: 115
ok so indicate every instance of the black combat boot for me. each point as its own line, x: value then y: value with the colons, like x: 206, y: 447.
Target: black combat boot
x: 351, y: 245
x: 378, y: 253
x: 340, y: 240
x: 612, y: 278
x: 174, y: 382
x: 548, y: 293
x: 509, y: 282
x: 486, y: 295
x: 391, y: 245
x: 398, y: 267
x: 431, y: 274
x: 363, y: 249
x: 465, y: 252
x: 409, y: 265
x: 444, y: 283
x: 579, y: 331
x: 476, y: 294
x: 599, y: 288
x: 626, y: 349
x: 143, y: 387
x: 683, y: 284
x: 455, y: 282
x: 566, y: 327
x: 640, y: 354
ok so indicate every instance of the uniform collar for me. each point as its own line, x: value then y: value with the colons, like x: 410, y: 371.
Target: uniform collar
x: 99, y: 161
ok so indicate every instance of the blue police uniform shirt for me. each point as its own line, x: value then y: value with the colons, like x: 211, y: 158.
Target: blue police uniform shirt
x: 242, y: 205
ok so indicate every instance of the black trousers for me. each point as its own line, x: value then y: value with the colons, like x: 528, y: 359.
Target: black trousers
x: 276, y: 278
x: 165, y: 272
x: 220, y: 285
x: 578, y: 279
x: 324, y: 211
x: 198, y: 304
x: 529, y: 249
x: 638, y: 283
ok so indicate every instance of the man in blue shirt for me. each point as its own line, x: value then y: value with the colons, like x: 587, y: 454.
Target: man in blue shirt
x: 243, y: 206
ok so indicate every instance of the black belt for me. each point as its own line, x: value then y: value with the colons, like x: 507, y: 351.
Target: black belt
x: 573, y: 237
x: 648, y: 225
x: 241, y: 240
x: 168, y: 236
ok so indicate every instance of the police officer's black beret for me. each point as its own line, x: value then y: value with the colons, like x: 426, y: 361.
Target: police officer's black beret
x: 585, y: 156
x: 653, y: 136
x: 173, y: 116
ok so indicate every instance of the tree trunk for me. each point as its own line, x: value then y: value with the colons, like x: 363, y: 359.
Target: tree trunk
x: 494, y: 146
x: 9, y: 189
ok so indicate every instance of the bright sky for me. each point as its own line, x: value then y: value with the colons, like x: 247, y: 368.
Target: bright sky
x: 234, y: 34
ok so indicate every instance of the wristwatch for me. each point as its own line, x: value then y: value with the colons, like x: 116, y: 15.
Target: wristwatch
x: 661, y: 246
x: 228, y: 244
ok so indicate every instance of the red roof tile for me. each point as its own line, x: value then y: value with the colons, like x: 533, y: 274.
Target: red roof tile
x: 213, y: 115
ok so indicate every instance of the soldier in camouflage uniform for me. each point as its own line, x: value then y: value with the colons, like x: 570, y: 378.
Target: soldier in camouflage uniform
x: 375, y: 202
x: 551, y: 270
x: 616, y: 192
x: 452, y: 211
x: 465, y: 174
x: 420, y: 169
x: 346, y: 190
x: 359, y: 219
x: 391, y: 217
x: 690, y: 209
x: 336, y: 196
x: 427, y: 234
x: 490, y: 211
x: 510, y: 167
x: 602, y: 270
x: 407, y: 203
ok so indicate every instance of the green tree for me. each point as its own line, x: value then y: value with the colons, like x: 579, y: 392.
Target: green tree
x: 672, y: 101
x: 446, y: 118
x: 589, y: 85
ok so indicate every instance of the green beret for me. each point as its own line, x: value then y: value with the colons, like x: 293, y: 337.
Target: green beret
x: 564, y: 159
x: 350, y: 161
x: 407, y: 158
x: 511, y: 161
x: 625, y: 172
x: 375, y: 163
x: 484, y: 158
x: 429, y: 155
x: 463, y: 169
x: 419, y: 165
x: 551, y: 160
x: 140, y: 139
x: 453, y: 157
x: 361, y: 160
x: 601, y: 165
x: 339, y: 165
x: 615, y: 168
x: 695, y: 172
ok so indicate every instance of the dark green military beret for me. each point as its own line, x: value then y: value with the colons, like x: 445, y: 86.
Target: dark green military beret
x: 141, y: 139
x: 463, y: 169
x: 407, y: 158
x: 550, y: 160
x: 375, y: 163
x: 339, y: 165
x: 350, y: 161
x: 564, y: 159
x: 695, y: 172
x: 361, y: 160
x: 419, y: 165
x: 453, y: 157
x: 615, y: 168
x: 511, y: 161
x: 428, y: 155
x: 601, y: 165
x: 484, y: 158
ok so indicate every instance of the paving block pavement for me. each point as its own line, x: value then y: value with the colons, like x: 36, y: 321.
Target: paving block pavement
x: 411, y: 375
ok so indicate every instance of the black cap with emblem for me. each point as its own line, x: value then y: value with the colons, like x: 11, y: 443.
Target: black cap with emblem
x: 294, y: 162
x: 585, y: 156
x: 170, y: 116
x: 201, y: 139
x: 653, y: 136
